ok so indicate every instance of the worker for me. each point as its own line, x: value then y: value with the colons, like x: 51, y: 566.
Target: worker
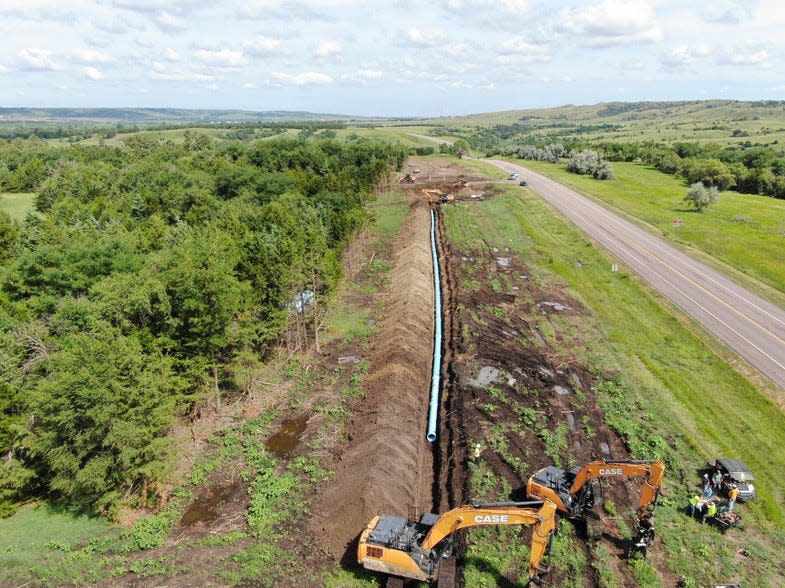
x: 716, y: 479
x: 707, y: 492
x: 692, y: 508
x: 706, y: 481
x: 477, y: 451
x: 711, y: 511
x: 733, y: 494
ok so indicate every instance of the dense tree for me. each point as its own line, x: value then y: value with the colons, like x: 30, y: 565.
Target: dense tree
x: 150, y: 276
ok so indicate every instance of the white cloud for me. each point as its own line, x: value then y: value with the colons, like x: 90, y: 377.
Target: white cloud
x: 363, y: 76
x: 171, y: 55
x: 726, y: 12
x: 36, y: 60
x: 154, y: 6
x: 249, y: 86
x: 518, y: 50
x: 261, y: 46
x: 169, y: 22
x: 93, y: 73
x: 739, y: 56
x: 182, y: 76
x: 40, y: 11
x: 612, y: 22
x: 221, y: 57
x: 302, y: 79
x: 684, y: 55
x: 328, y: 48
x: 425, y: 37
x: 3, y: 69
x: 88, y: 56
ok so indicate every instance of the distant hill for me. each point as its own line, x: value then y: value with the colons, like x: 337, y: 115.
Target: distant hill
x: 159, y: 116
x: 720, y: 121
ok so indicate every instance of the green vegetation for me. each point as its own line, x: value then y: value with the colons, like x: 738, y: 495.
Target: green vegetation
x: 151, y: 277
x: 661, y: 385
x: 745, y: 232
x: 17, y: 205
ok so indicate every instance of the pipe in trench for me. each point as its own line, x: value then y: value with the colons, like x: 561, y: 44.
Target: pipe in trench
x: 433, y: 411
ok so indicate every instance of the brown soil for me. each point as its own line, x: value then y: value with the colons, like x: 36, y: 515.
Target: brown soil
x: 386, y: 466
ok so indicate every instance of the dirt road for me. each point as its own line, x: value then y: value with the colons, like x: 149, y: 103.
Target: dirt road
x: 748, y: 324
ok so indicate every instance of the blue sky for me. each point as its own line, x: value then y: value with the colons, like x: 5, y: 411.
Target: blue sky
x: 389, y: 58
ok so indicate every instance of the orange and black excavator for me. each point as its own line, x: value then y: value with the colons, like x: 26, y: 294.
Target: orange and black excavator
x: 415, y: 548
x: 576, y: 492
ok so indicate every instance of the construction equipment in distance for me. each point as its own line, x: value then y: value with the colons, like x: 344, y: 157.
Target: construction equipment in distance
x: 434, y: 195
x: 414, y: 549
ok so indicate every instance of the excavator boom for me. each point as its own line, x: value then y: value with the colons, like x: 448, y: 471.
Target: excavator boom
x: 414, y: 549
x: 571, y: 491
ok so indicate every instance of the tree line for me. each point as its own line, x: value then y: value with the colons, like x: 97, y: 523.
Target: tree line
x: 151, y: 277
x: 752, y: 169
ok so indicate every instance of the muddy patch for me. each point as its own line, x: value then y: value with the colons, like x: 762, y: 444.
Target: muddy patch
x: 284, y: 443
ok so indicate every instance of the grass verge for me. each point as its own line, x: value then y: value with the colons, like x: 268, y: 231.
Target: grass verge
x: 744, y: 231
x: 17, y: 205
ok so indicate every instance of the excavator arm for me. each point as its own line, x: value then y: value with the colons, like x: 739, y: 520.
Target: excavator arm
x: 652, y: 470
x: 392, y: 545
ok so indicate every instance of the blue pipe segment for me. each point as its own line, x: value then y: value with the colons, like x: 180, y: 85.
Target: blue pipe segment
x: 437, y: 336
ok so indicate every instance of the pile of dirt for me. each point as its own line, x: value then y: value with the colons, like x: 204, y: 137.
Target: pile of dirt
x: 386, y: 465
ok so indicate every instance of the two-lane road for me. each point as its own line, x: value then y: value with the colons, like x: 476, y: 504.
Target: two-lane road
x: 745, y: 322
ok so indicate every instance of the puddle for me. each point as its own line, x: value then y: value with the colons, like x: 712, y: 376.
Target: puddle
x: 486, y: 377
x: 209, y: 508
x: 561, y: 390
x: 285, y: 441
x: 577, y: 381
x: 570, y: 420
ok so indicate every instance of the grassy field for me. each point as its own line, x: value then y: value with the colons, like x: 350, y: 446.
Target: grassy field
x: 725, y: 122
x: 40, y: 537
x: 17, y: 205
x: 744, y: 231
x: 668, y: 379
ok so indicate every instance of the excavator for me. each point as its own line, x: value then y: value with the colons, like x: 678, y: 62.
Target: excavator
x: 434, y: 195
x: 415, y: 549
x: 576, y: 492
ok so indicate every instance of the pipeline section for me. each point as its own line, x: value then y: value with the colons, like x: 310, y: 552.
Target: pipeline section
x: 433, y: 411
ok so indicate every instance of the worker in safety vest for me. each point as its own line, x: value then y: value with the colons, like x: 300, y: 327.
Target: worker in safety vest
x: 711, y: 511
x: 692, y: 508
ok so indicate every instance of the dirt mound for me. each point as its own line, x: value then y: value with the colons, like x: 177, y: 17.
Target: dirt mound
x: 386, y: 466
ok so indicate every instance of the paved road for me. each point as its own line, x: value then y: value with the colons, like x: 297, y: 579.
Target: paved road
x: 745, y: 322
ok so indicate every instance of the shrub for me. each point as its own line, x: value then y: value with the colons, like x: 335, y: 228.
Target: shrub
x: 701, y: 197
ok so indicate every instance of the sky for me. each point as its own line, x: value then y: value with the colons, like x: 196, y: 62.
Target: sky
x: 387, y: 58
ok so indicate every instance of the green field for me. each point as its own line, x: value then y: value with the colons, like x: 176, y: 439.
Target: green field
x: 680, y: 390
x: 726, y: 122
x: 40, y: 538
x: 17, y: 205
x: 744, y: 231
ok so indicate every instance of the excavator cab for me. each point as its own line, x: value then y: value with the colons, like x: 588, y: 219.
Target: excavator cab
x: 559, y: 482
x: 415, y: 548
